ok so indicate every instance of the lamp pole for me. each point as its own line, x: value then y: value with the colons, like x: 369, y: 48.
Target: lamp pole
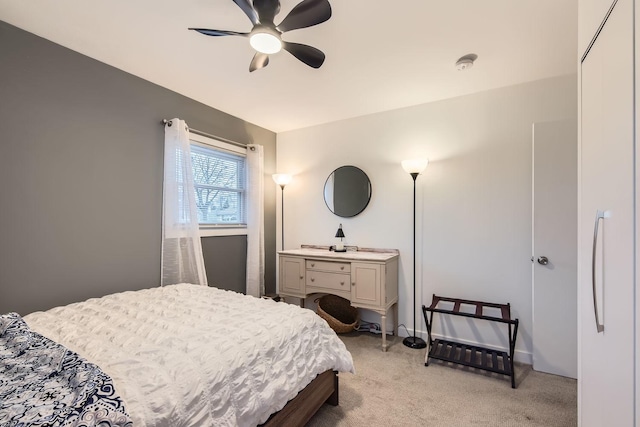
x: 282, y: 179
x: 282, y: 216
x: 414, y: 176
x: 414, y: 167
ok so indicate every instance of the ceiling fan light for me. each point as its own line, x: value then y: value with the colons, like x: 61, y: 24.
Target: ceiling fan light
x: 265, y: 42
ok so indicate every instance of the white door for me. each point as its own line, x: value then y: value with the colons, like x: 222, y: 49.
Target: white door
x: 554, y: 267
x: 606, y: 257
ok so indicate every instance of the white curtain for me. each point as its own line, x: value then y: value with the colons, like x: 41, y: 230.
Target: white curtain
x: 182, y: 260
x: 255, y: 220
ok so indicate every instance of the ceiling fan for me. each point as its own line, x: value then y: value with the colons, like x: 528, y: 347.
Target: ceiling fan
x: 266, y: 37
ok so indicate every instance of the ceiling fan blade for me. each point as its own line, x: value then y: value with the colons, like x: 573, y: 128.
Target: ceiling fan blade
x: 216, y: 33
x: 309, y: 55
x: 267, y: 10
x: 246, y: 7
x: 260, y: 60
x: 306, y: 14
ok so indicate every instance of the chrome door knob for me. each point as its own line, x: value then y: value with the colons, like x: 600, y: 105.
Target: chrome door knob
x: 543, y: 260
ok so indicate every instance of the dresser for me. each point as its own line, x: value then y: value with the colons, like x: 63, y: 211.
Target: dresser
x: 366, y: 277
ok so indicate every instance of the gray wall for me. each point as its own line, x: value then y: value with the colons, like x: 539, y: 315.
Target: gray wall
x: 81, y: 152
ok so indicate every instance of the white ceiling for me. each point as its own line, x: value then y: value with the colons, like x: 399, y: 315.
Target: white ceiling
x: 381, y: 55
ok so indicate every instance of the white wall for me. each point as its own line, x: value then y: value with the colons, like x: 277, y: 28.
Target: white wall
x: 474, y: 199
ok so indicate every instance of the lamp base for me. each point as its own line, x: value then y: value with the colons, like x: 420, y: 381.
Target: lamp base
x: 414, y: 342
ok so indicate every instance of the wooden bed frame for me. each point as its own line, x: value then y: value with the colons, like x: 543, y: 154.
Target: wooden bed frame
x: 299, y: 410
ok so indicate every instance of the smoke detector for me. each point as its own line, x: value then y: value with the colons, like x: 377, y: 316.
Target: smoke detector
x: 466, y: 61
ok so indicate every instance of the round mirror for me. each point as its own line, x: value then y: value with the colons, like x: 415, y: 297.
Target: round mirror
x: 347, y: 191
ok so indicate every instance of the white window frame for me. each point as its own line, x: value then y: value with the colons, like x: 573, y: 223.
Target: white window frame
x: 209, y: 230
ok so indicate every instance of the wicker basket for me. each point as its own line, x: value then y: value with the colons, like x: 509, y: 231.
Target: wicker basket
x: 338, y: 313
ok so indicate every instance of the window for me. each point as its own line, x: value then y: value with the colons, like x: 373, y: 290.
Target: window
x: 219, y: 176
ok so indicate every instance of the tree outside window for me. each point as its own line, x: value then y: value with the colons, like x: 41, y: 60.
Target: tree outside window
x: 219, y: 178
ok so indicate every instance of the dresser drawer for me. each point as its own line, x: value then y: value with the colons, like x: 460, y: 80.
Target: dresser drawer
x: 338, y: 267
x: 328, y: 281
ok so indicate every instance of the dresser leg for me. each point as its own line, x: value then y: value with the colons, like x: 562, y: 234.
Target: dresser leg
x: 395, y: 319
x: 383, y: 326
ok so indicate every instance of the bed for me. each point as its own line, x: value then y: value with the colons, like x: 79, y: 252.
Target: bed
x: 188, y: 355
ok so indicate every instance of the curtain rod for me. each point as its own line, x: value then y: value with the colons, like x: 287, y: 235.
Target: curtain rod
x: 208, y: 135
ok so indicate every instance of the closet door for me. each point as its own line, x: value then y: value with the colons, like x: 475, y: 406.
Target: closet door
x: 606, y: 217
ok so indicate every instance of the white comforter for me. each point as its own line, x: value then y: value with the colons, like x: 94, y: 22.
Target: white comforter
x: 188, y: 355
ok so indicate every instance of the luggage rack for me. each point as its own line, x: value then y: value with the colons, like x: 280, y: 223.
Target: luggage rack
x: 470, y: 355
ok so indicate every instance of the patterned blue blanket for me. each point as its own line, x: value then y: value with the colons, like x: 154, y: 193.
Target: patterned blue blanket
x: 43, y: 383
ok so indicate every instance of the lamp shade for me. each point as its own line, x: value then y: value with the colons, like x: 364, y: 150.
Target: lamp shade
x: 282, y: 179
x: 415, y: 165
x: 340, y: 233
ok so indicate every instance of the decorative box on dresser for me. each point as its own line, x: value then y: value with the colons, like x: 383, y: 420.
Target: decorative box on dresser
x: 366, y: 277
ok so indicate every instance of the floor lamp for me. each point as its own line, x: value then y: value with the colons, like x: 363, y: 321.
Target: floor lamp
x: 282, y: 179
x: 414, y: 168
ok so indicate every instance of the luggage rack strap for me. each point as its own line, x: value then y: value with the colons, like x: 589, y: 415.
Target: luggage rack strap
x: 505, y: 309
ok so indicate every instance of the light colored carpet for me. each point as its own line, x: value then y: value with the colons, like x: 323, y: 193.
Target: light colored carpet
x: 396, y: 389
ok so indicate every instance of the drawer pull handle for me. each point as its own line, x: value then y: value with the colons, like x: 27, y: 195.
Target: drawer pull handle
x: 313, y: 264
x: 342, y: 283
x: 301, y: 277
x: 313, y: 279
x: 353, y: 283
x: 342, y: 268
x: 599, y: 215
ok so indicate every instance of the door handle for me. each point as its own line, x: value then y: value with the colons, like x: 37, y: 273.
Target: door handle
x: 599, y: 215
x: 543, y: 260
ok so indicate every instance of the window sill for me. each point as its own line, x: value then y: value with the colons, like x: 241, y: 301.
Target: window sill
x: 216, y: 232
